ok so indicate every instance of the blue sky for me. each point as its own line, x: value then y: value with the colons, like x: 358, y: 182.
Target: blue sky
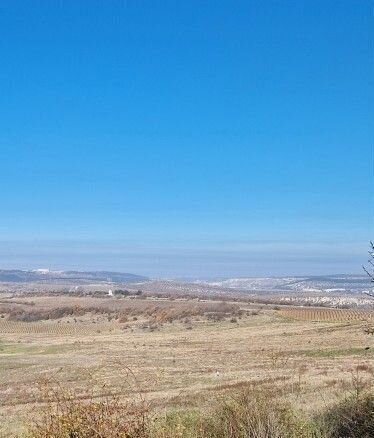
x: 187, y: 138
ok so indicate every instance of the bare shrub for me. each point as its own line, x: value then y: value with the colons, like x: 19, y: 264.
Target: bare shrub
x: 247, y: 414
x: 68, y: 414
x: 352, y: 418
x: 253, y: 414
x: 54, y: 313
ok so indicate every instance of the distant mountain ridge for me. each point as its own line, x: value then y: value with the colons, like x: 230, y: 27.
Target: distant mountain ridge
x: 45, y: 275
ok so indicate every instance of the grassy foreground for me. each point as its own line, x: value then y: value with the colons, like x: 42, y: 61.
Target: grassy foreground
x: 206, y: 369
x: 245, y: 413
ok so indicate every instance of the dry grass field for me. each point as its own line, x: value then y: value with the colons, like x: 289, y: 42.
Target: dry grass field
x: 176, y: 353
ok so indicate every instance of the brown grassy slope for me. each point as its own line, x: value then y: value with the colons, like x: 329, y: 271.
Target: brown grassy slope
x: 310, y: 363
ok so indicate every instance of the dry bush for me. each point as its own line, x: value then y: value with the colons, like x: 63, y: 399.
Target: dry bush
x: 245, y: 413
x: 352, y: 418
x: 96, y: 414
x: 249, y: 413
x: 107, y: 418
x: 157, y: 312
x: 168, y: 312
x: 54, y: 313
x: 253, y: 414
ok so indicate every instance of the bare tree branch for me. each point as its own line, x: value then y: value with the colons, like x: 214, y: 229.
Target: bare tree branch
x: 370, y: 271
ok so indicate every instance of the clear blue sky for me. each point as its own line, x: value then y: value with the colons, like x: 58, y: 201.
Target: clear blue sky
x: 188, y: 138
